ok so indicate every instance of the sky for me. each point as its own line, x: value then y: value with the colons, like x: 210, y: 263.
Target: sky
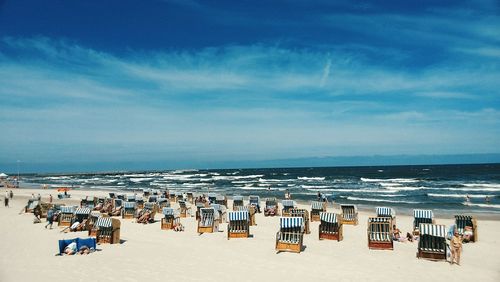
x: 191, y: 83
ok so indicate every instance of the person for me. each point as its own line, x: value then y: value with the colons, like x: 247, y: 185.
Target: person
x: 178, y: 227
x: 319, y: 196
x: 487, y: 199
x: 50, y: 218
x: 287, y: 195
x: 74, y: 226
x: 11, y: 194
x: 456, y: 248
x: 84, y: 250
x: 467, y: 198
x: 396, y: 233
x: 70, y: 248
x: 39, y: 197
x: 468, y: 234
x: 50, y: 198
x: 144, y: 218
x: 409, y: 237
x: 6, y: 201
x: 32, y: 196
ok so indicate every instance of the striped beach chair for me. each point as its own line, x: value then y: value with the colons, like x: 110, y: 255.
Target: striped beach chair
x: 108, y: 230
x: 163, y: 203
x: 305, y: 215
x: 254, y: 201
x: 66, y: 216
x: 184, y: 210
x: 251, y: 213
x: 349, y: 214
x: 237, y: 202
x: 463, y: 222
x: 330, y: 227
x: 287, y: 205
x: 190, y: 197
x: 316, y: 209
x: 139, y: 202
x: 170, y: 220
x: 380, y: 233
x: 432, y: 243
x: 207, y: 221
x: 385, y: 212
x: 82, y: 215
x: 221, y: 200
x: 291, y: 234
x: 199, y: 206
x: 128, y: 210
x: 238, y: 224
x: 271, y: 208
x: 421, y: 216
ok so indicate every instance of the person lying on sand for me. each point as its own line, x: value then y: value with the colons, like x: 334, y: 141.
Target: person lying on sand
x: 70, y: 249
x: 144, y: 218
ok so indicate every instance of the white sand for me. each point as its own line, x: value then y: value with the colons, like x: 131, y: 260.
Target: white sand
x: 151, y: 254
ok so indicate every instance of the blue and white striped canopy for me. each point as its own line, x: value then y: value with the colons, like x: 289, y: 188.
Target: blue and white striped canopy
x: 317, y: 205
x: 379, y: 219
x: 138, y: 199
x: 168, y: 211
x: 237, y: 198
x: 423, y: 214
x: 385, y: 211
x: 329, y: 217
x: 82, y: 211
x: 435, y: 230
x: 242, y: 208
x: 129, y: 205
x: 67, y: 209
x: 288, y: 203
x: 463, y: 217
x: 291, y: 222
x: 103, y: 222
x: 237, y: 215
x: 207, y: 210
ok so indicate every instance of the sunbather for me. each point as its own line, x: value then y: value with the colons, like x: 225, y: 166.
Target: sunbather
x: 70, y: 249
x: 144, y: 218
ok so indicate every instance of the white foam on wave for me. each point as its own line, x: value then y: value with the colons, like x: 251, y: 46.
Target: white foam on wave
x: 457, y: 195
x: 482, y: 185
x: 57, y: 177
x: 315, y: 186
x: 311, y: 178
x: 275, y: 180
x: 380, y: 200
x: 396, y: 180
x: 140, y: 179
x: 339, y: 190
x: 253, y: 188
x: 404, y: 188
x: 388, y: 184
x: 491, y: 206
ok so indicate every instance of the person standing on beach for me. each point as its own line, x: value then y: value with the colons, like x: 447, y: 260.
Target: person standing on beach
x: 11, y: 194
x: 456, y: 248
x: 50, y: 198
x: 50, y: 218
x: 6, y: 201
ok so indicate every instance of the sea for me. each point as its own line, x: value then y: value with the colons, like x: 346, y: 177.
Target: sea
x: 437, y: 187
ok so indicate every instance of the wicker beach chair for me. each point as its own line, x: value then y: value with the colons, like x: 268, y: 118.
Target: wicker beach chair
x: 221, y: 200
x: 237, y: 202
x: 386, y: 212
x: 207, y: 221
x: 421, y: 216
x: 173, y: 196
x: 380, y: 233
x: 66, y: 216
x: 190, y: 197
x: 330, y: 227
x: 170, y: 220
x: 432, y: 243
x: 305, y: 215
x: 211, y: 198
x: 254, y: 201
x: 163, y: 203
x: 463, y: 222
x: 199, y: 206
x: 238, y: 224
x: 271, y: 208
x: 184, y: 210
x: 287, y: 205
x: 221, y: 210
x: 82, y: 215
x: 139, y: 201
x: 349, y: 214
x: 108, y: 230
x: 291, y: 234
x: 128, y: 210
x: 316, y: 209
x: 251, y: 213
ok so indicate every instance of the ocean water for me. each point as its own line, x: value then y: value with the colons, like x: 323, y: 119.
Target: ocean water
x: 441, y: 187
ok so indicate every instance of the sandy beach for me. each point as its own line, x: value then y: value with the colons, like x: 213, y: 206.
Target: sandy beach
x: 151, y: 254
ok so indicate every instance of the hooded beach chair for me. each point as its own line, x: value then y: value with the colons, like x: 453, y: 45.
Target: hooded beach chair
x: 173, y: 196
x: 386, y: 212
x: 349, y: 214
x: 304, y: 214
x: 238, y: 224
x: 316, y: 209
x: 170, y: 219
x: 108, y: 230
x: 66, y: 216
x: 291, y: 234
x: 199, y: 205
x: 254, y: 201
x: 287, y: 205
x: 163, y: 203
x: 190, y: 197
x: 221, y: 200
x: 211, y: 198
x: 128, y: 210
x: 432, y: 243
x: 130, y: 198
x: 330, y: 227
x: 208, y: 220
x: 139, y: 201
x: 237, y: 202
x: 421, y: 216
x: 463, y: 222
x: 82, y: 215
x: 251, y: 213
x: 94, y: 215
x: 183, y: 209
x: 221, y: 210
x: 152, y: 199
x: 380, y: 233
x: 271, y: 208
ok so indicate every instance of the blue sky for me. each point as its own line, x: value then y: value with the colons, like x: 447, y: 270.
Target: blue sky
x: 198, y: 83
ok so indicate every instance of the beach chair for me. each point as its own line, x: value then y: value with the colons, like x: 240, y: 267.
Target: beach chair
x: 316, y: 209
x: 94, y: 215
x: 254, y: 201
x: 221, y: 200
x: 30, y: 207
x: 66, y: 216
x: 199, y: 205
x: 421, y: 216
x: 82, y: 215
x: 287, y: 205
x: 207, y: 221
x: 251, y: 213
x: 463, y: 222
x: 349, y: 214
x: 170, y: 220
x: 139, y: 201
x: 380, y: 233
x: 304, y: 214
x: 330, y: 227
x: 163, y: 203
x: 151, y: 206
x: 386, y: 212
x: 108, y: 230
x: 190, y: 197
x: 271, y: 208
x: 238, y: 224
x: 173, y: 196
x: 130, y: 198
x: 237, y: 202
x: 44, y: 208
x: 211, y: 198
x: 128, y: 210
x: 291, y: 234
x: 152, y: 199
x: 432, y: 243
x: 183, y: 209
x: 221, y: 210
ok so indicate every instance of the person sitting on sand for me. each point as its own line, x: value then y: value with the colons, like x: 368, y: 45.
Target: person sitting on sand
x: 179, y: 227
x: 409, y: 237
x: 396, y: 233
x: 70, y: 248
x: 467, y: 236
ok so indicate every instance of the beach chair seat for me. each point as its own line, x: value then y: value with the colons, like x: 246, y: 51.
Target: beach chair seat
x: 271, y: 208
x: 290, y: 236
x: 463, y: 222
x: 207, y: 221
x: 349, y: 214
x: 419, y: 217
x: 316, y: 209
x: 170, y: 219
x: 304, y: 214
x: 380, y: 233
x: 432, y: 242
x: 128, y: 210
x: 238, y: 224
x: 287, y: 205
x: 330, y: 227
x: 66, y: 216
x: 108, y: 230
x: 237, y: 202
